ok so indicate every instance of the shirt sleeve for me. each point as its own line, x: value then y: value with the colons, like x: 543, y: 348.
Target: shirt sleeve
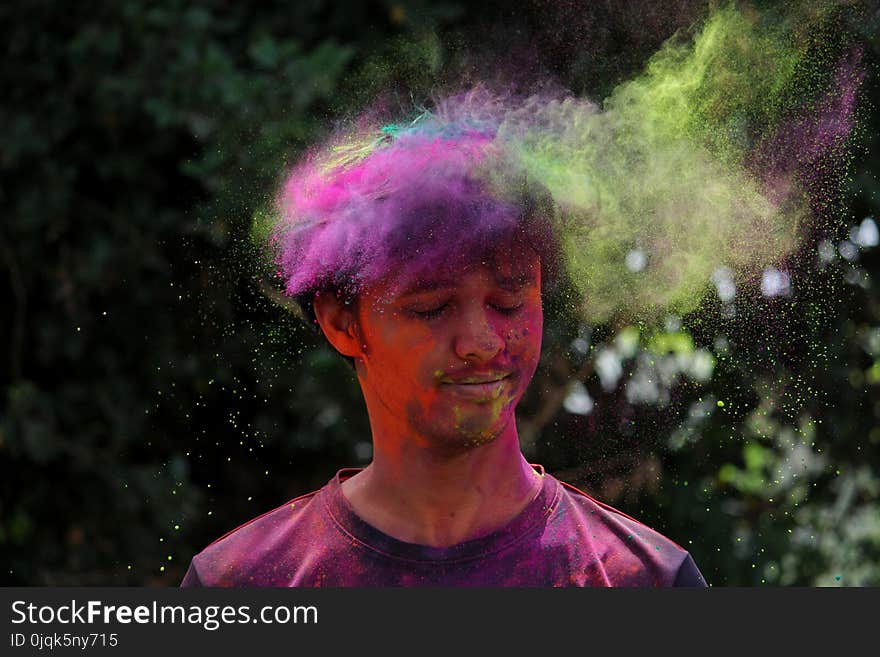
x: 191, y: 579
x: 689, y: 575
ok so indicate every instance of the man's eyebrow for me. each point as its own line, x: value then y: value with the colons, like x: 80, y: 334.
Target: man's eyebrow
x: 515, y: 282
x: 427, y: 286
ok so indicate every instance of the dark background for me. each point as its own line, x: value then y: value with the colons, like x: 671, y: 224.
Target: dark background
x: 156, y: 395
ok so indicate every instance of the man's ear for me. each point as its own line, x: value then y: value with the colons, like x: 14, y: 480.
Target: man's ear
x: 339, y: 324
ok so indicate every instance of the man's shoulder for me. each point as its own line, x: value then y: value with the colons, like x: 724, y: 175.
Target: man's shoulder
x: 231, y: 559
x: 264, y: 525
x: 621, y: 541
x: 612, y: 517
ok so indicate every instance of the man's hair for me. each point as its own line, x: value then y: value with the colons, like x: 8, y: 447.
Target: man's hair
x: 436, y: 194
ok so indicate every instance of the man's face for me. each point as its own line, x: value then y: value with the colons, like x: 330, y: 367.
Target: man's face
x: 449, y: 357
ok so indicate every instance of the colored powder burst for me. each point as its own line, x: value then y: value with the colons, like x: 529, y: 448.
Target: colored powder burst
x: 709, y: 161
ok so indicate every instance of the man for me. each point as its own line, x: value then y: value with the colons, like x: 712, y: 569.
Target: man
x: 428, y: 276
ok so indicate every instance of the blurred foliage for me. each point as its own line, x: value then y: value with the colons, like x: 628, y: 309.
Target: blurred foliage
x: 155, y: 396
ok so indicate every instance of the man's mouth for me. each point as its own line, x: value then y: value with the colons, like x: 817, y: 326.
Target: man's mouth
x: 478, y: 386
x: 475, y: 378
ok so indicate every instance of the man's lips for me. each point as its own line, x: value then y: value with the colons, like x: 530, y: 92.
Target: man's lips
x: 477, y: 386
x: 475, y: 379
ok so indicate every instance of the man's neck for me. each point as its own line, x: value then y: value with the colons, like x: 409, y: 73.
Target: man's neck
x: 422, y: 497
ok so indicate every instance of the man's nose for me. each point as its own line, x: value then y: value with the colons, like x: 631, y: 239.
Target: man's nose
x: 477, y: 339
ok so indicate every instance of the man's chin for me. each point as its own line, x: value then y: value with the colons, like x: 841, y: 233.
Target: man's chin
x: 465, y: 434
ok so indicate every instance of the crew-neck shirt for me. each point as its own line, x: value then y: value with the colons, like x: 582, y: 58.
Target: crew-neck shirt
x: 563, y: 537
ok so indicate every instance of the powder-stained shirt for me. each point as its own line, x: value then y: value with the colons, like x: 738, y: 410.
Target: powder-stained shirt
x: 562, y: 538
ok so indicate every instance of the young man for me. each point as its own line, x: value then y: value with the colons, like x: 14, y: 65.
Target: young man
x: 428, y: 276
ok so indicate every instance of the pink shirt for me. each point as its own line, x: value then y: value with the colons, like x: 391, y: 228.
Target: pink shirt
x: 562, y: 538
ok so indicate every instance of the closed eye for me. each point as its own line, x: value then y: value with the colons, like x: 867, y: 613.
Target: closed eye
x: 507, y: 310
x: 429, y: 313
